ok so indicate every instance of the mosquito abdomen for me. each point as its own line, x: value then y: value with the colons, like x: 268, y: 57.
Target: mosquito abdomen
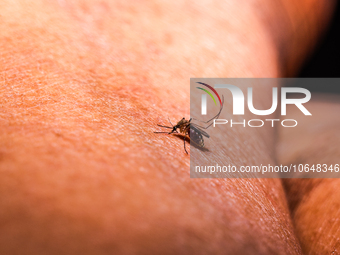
x: 196, y: 136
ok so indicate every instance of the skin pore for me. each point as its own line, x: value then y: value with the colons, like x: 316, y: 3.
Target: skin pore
x: 83, y: 85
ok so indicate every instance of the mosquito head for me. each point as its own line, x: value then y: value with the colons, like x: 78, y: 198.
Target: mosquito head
x: 182, y: 122
x: 174, y: 129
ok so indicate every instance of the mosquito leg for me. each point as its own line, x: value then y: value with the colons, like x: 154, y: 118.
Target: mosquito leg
x: 216, y: 116
x: 170, y: 121
x: 169, y: 133
x: 184, y: 145
x: 163, y: 126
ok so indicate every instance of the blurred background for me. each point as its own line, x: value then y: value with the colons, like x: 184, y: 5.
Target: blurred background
x: 325, y: 61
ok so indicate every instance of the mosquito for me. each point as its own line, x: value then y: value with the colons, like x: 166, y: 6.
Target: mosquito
x: 194, y: 132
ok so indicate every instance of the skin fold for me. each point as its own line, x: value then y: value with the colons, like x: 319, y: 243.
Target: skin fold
x: 314, y: 203
x: 83, y: 85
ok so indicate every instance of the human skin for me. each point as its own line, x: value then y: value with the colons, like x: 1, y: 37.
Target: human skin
x: 83, y: 85
x: 314, y: 203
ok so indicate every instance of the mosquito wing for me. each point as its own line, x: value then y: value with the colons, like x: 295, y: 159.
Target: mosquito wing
x: 193, y: 126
